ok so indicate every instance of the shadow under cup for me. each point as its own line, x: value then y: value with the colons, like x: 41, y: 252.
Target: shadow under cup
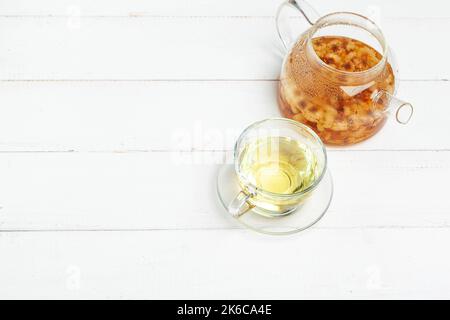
x: 254, y: 196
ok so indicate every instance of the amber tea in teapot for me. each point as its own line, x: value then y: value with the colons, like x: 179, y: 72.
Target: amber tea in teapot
x: 338, y: 85
x: 337, y: 116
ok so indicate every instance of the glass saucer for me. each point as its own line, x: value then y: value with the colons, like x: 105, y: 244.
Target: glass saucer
x: 306, y: 215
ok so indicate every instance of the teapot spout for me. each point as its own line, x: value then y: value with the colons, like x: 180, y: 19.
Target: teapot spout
x: 403, y: 110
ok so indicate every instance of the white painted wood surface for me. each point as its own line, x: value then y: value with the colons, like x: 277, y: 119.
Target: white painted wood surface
x: 100, y: 197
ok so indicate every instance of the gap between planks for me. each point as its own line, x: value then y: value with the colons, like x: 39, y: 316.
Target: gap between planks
x: 183, y: 80
x: 391, y: 227
x: 144, y: 15
x: 329, y: 150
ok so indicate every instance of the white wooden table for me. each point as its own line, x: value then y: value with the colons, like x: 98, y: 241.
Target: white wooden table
x: 101, y: 198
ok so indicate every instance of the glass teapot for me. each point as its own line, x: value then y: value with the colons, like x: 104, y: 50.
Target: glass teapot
x: 338, y: 76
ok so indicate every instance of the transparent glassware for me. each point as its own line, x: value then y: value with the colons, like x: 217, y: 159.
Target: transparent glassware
x: 338, y: 76
x: 264, y: 210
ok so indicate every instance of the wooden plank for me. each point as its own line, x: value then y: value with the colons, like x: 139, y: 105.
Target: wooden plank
x: 170, y: 48
x: 200, y: 115
x: 378, y: 263
x: 148, y: 190
x: 251, y: 8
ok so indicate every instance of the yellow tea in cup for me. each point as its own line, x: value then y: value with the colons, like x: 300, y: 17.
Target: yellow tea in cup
x: 279, y: 165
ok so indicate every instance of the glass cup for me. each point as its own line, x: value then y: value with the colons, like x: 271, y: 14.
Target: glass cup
x: 278, y: 164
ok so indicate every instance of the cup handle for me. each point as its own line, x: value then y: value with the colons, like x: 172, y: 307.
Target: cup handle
x: 308, y: 12
x: 240, y: 205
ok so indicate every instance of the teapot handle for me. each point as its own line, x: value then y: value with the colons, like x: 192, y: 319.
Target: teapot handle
x: 283, y: 24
